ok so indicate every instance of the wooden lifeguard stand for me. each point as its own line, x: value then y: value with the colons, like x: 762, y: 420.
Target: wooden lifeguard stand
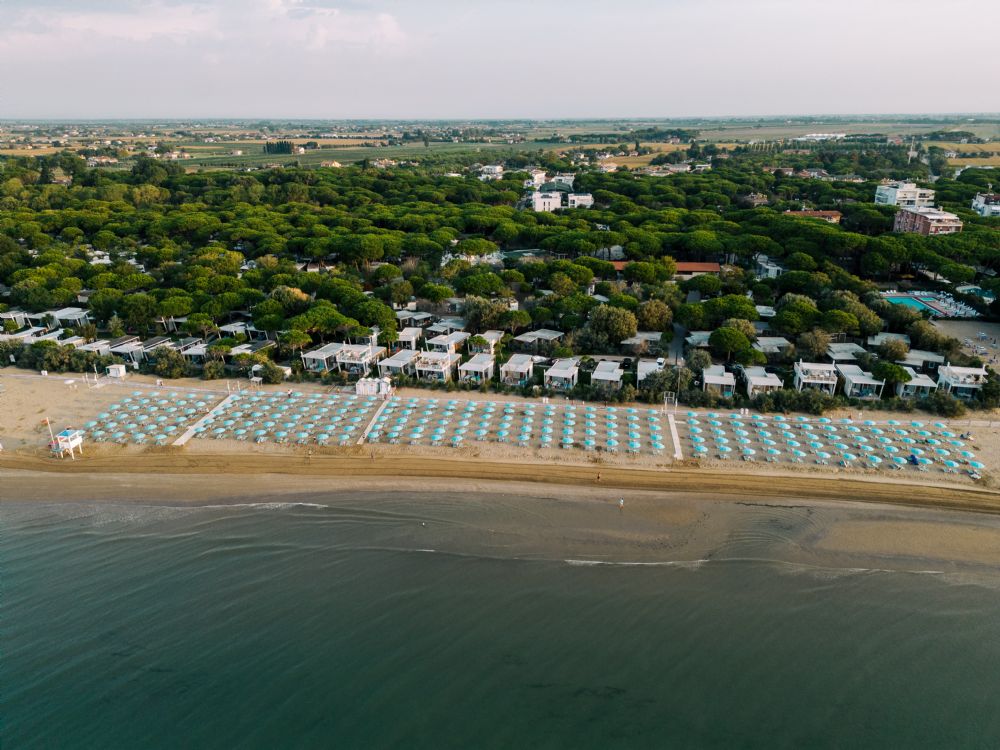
x: 68, y: 441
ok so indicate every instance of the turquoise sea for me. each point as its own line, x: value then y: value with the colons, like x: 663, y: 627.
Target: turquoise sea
x: 301, y: 626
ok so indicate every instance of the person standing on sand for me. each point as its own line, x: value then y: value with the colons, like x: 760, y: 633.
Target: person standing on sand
x: 621, y: 503
x: 598, y: 476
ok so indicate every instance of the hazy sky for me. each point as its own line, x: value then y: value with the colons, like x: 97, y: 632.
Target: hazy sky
x: 503, y: 58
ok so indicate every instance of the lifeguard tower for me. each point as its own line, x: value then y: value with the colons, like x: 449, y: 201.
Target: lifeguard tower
x: 68, y: 441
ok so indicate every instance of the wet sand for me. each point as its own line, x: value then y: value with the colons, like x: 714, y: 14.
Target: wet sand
x: 527, y: 520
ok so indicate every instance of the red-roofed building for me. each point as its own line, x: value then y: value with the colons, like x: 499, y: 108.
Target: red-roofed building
x: 688, y: 270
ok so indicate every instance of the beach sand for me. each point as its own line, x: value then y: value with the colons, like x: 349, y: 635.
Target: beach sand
x: 25, y: 400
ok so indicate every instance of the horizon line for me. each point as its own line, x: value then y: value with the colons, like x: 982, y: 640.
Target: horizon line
x: 487, y: 118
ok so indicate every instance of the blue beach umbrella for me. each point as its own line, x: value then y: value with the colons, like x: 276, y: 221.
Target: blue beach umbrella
x: 700, y: 449
x: 724, y: 449
x: 977, y: 465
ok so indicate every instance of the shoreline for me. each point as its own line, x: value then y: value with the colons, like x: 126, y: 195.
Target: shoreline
x: 513, y: 519
x: 368, y: 468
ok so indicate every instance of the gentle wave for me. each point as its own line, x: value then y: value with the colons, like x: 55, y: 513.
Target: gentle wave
x: 275, y: 505
x: 687, y: 564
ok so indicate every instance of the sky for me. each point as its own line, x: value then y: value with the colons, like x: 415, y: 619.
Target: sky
x: 443, y: 59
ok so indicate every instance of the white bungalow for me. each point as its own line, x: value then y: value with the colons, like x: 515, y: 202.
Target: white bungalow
x: 101, y: 347
x: 157, y: 342
x: 644, y: 369
x: 70, y: 316
x: 844, y: 351
x: 26, y: 336
x: 518, y: 370
x: 920, y: 385
x: 532, y: 338
x: 357, y: 359
x: 448, y: 343
x: 771, y: 345
x: 479, y: 369
x: 493, y: 339
x: 758, y: 380
x: 403, y: 362
x: 767, y: 268
x: 19, y: 318
x: 563, y: 374
x: 414, y: 317
x: 128, y: 348
x: 188, y: 343
x: 446, y: 326
x: 643, y: 341
x: 410, y: 336
x: 961, y: 382
x: 716, y: 380
x: 438, y: 366
x: 196, y: 352
x: 920, y: 359
x: 607, y: 375
x: 698, y: 339
x: 859, y: 384
x: 321, y: 360
x: 818, y: 375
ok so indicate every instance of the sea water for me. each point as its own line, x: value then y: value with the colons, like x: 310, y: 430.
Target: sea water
x: 300, y: 626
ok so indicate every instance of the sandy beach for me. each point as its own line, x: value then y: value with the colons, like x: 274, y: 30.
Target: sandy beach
x: 27, y: 400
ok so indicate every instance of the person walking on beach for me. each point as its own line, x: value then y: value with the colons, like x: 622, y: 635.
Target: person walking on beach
x: 598, y: 476
x: 621, y: 503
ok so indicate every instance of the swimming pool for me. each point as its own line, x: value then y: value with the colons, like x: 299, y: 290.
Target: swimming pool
x: 915, y: 302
